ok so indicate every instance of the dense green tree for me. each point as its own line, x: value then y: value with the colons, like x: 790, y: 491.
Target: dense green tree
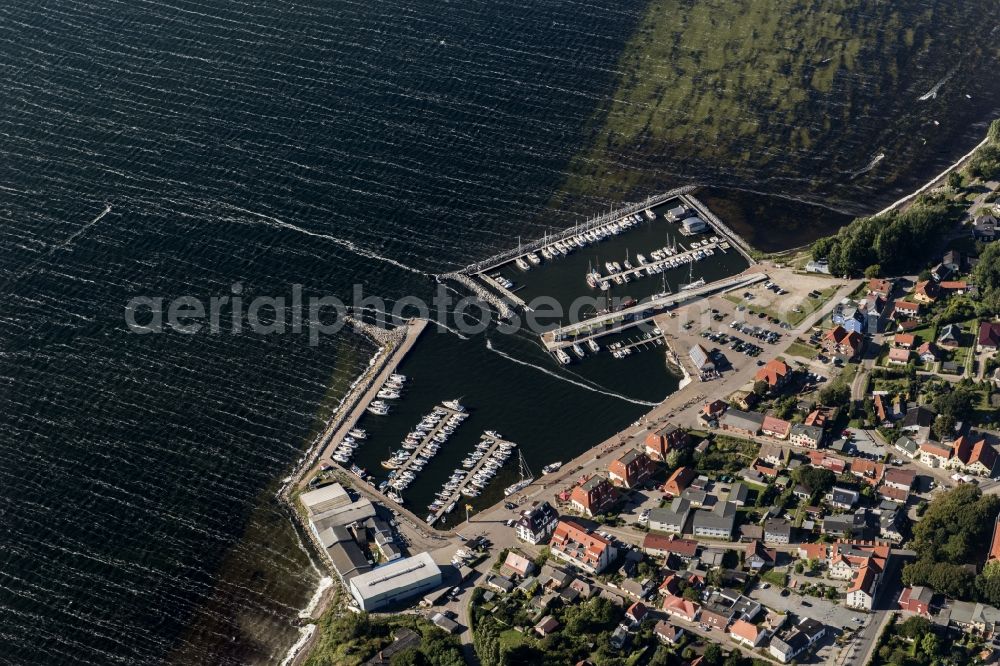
x: 712, y: 655
x: 816, y: 479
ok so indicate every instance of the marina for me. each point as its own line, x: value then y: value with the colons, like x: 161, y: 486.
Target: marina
x: 492, y: 452
x: 420, y: 446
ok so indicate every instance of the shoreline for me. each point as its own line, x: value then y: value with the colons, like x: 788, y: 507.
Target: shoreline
x: 934, y: 182
x: 392, y: 354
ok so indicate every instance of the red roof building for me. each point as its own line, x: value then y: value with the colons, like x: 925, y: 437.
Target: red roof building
x: 774, y: 373
x: 678, y: 481
x: 916, y: 600
x: 576, y: 545
x: 989, y: 337
x: 594, y: 496
x: 775, y: 427
x: 631, y: 470
x: 665, y: 546
x: 903, y: 308
x: 839, y: 342
x: 668, y: 438
x: 995, y: 545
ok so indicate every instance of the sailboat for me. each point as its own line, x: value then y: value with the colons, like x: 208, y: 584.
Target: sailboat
x: 692, y: 285
x: 526, y: 477
x: 520, y: 261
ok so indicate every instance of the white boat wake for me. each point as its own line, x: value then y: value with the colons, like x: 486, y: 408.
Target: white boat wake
x: 645, y: 403
x: 69, y: 240
x: 342, y: 242
x: 932, y: 93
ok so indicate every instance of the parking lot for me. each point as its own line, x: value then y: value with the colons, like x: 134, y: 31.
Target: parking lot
x: 825, y: 611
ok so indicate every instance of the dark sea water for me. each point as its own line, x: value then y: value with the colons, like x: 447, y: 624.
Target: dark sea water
x: 264, y: 144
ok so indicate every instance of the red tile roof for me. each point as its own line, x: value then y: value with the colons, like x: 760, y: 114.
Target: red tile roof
x: 774, y: 372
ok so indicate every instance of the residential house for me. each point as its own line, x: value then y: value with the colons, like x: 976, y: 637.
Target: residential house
x: 775, y: 374
x: 747, y: 634
x: 668, y: 633
x: 975, y: 617
x: 672, y: 518
x: 738, y: 494
x: 925, y: 292
x: 855, y: 524
x: 712, y: 412
x: 902, y: 479
x: 848, y: 316
x: 862, y: 563
x: 950, y: 336
x: 907, y: 310
x: 898, y: 356
x: 934, y: 454
x: 973, y: 455
x: 772, y: 454
x: 873, y: 308
x: 717, y: 523
x: 741, y: 423
x: 631, y: 470
x: 806, y: 634
x: 949, y: 287
x: 868, y: 471
x: 537, y: 524
x: 777, y: 530
x: 953, y: 260
x: 581, y: 547
x: 636, y: 613
x: 775, y: 427
x: 842, y: 498
x: 984, y: 228
x: 517, y: 564
x: 594, y: 496
x: 759, y: 556
x: 917, y: 418
x: 907, y: 447
x: 676, y: 606
x: 546, y: 626
x: 880, y: 287
x: 928, y: 353
x: 841, y: 342
x: 678, y: 481
x: 668, y: 438
x: 672, y: 546
x: 989, y: 337
x: 807, y: 436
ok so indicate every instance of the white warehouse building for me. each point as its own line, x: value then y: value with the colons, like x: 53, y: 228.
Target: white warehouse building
x: 398, y: 580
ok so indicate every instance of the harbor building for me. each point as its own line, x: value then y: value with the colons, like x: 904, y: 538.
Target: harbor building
x: 396, y: 581
x: 326, y: 498
x: 693, y: 225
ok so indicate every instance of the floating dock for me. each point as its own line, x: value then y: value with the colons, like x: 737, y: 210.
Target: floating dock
x: 457, y: 496
x: 428, y: 438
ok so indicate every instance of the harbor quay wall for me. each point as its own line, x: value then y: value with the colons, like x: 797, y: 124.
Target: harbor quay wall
x: 394, y: 345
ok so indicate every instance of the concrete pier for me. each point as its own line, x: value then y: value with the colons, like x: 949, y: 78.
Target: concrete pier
x: 354, y: 404
x: 741, y: 245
